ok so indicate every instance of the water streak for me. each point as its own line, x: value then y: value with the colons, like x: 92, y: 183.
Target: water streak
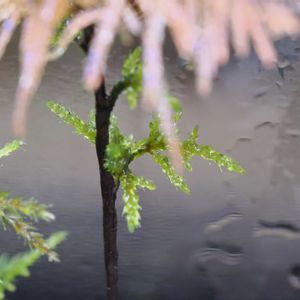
x: 277, y: 229
x: 223, y: 222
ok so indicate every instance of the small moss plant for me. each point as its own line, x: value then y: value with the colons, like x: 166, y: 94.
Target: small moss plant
x: 18, y: 266
x: 20, y: 215
x: 122, y: 150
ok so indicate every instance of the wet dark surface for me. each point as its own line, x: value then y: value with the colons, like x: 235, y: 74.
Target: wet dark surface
x: 235, y: 237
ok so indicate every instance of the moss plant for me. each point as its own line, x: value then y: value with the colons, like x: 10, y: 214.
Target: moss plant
x: 20, y: 215
x: 117, y: 151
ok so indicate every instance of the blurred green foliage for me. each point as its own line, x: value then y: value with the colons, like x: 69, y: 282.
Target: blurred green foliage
x: 18, y: 266
x: 132, y: 72
x: 20, y: 215
x: 60, y: 30
x: 10, y: 147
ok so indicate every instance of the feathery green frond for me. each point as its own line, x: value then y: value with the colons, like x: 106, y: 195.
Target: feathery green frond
x: 132, y: 76
x: 18, y: 265
x: 18, y: 214
x: 92, y: 119
x: 118, y: 151
x: 86, y: 129
x: 177, y: 180
x: 133, y: 63
x: 175, y: 104
x: 190, y: 148
x: 222, y: 160
x: 156, y: 137
x: 130, y: 183
x: 10, y: 147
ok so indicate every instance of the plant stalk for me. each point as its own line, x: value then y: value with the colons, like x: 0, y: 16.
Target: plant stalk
x: 109, y: 193
x: 109, y: 188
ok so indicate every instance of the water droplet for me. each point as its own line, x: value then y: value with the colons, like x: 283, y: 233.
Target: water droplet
x: 260, y: 91
x: 223, y: 222
x: 292, y: 132
x: 280, y: 229
x: 227, y: 254
x: 294, y: 276
x: 264, y: 124
x: 283, y: 63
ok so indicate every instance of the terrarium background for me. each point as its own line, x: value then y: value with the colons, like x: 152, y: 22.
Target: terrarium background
x: 251, y: 114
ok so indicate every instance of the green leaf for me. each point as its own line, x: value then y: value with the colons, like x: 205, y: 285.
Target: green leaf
x: 190, y: 148
x: 132, y: 94
x: 118, y: 151
x: 18, y: 265
x: 131, y: 80
x: 130, y: 183
x: 132, y: 71
x: 175, y: 104
x: 86, y: 129
x: 10, y: 147
x: 222, y: 161
x: 18, y: 214
x: 156, y: 138
x: 177, y: 180
x: 92, y: 118
x: 133, y: 63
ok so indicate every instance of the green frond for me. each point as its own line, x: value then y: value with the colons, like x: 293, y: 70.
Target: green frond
x: 177, y: 180
x: 133, y: 63
x: 222, y: 160
x: 30, y: 208
x: 86, y: 129
x: 18, y: 214
x: 156, y: 137
x: 10, y: 147
x: 130, y: 183
x: 118, y: 151
x: 175, y: 104
x: 92, y: 119
x: 190, y: 148
x: 18, y: 265
x: 132, y: 71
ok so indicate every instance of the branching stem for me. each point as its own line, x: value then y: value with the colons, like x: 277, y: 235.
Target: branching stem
x: 104, y: 106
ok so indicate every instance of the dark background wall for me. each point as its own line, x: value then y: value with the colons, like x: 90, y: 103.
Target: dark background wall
x: 179, y: 253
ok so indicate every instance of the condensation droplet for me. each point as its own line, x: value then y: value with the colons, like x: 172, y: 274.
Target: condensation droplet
x: 223, y: 222
x: 294, y: 277
x: 227, y: 254
x: 284, y: 230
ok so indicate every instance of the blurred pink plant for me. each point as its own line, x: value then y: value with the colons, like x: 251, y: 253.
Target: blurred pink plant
x: 202, y: 31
